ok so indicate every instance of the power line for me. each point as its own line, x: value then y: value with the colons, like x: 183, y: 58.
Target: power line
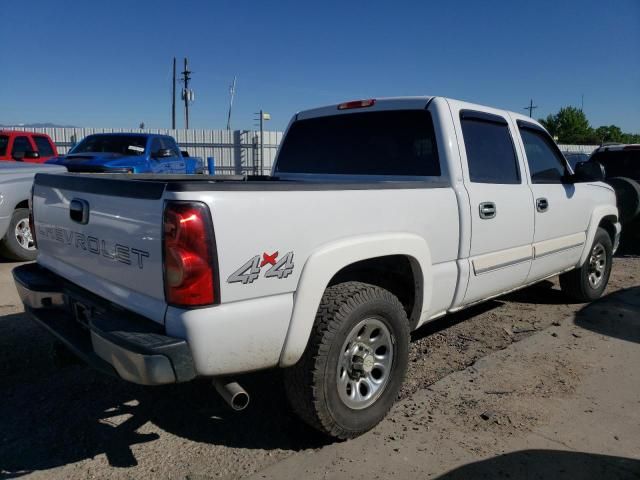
x: 531, y: 108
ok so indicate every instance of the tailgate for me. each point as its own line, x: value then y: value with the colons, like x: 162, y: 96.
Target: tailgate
x: 104, y: 235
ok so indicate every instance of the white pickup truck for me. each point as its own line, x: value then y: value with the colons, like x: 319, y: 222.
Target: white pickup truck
x: 379, y: 216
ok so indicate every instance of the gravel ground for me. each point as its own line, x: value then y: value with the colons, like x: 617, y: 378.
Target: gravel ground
x: 66, y: 421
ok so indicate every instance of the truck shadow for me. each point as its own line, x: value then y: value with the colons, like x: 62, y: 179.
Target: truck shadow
x: 53, y: 416
x: 540, y: 464
x: 615, y: 315
x: 56, y: 415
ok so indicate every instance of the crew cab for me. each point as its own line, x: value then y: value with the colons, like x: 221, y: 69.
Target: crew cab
x: 128, y: 153
x: 379, y: 216
x: 30, y: 147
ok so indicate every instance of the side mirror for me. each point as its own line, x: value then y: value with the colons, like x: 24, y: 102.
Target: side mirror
x: 589, y: 172
x: 18, y: 156
x: 184, y: 153
x: 31, y: 154
x: 163, y: 153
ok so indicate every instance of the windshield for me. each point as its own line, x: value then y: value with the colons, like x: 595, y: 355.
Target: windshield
x: 619, y: 163
x: 392, y: 142
x: 130, y: 145
x: 4, y: 140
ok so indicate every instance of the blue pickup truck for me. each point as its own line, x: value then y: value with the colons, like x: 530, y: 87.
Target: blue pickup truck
x: 128, y: 153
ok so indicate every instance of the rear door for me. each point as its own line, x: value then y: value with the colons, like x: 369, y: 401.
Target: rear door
x: 500, y: 204
x: 562, y: 210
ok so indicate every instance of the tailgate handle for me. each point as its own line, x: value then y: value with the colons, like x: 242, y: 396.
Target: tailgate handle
x: 79, y: 211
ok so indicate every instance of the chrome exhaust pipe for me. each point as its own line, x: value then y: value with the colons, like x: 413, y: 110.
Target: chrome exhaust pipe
x: 232, y: 393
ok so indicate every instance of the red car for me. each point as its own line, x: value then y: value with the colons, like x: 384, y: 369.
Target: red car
x: 29, y: 147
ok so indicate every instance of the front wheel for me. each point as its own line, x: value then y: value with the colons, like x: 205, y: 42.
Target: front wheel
x: 18, y: 243
x: 588, y: 282
x: 355, y: 362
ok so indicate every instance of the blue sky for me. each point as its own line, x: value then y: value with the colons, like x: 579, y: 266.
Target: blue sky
x: 108, y: 63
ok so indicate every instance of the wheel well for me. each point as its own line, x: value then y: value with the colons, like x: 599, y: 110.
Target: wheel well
x: 22, y: 204
x: 608, y: 224
x: 399, y: 274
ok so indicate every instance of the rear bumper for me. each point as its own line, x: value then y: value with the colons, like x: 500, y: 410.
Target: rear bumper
x: 112, y: 340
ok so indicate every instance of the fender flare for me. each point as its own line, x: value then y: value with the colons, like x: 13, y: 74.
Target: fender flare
x: 325, y: 262
x: 596, y: 217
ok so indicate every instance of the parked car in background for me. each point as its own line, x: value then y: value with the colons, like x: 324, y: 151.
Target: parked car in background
x: 128, y: 153
x: 574, y: 157
x: 622, y: 171
x: 408, y: 209
x: 16, y: 240
x: 28, y: 147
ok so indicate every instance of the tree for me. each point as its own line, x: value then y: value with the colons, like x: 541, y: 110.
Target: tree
x: 570, y: 125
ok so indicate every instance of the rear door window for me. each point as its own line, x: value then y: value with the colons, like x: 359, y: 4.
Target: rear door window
x: 44, y: 147
x: 21, y: 144
x: 389, y: 143
x: 490, y: 153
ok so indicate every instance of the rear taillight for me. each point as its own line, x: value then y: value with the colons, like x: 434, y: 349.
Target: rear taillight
x: 189, y: 256
x: 32, y: 224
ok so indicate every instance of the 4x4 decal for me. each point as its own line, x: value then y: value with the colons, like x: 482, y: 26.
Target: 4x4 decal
x: 250, y: 270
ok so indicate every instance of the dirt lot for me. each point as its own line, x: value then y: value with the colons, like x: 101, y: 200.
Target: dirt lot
x: 69, y: 422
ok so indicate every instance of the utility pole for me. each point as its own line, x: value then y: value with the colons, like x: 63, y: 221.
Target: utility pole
x: 232, y: 92
x: 531, y: 108
x: 582, y: 103
x: 187, y: 95
x: 261, y: 140
x: 263, y: 116
x: 173, y: 97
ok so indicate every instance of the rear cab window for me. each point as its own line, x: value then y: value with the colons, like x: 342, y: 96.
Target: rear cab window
x: 389, y: 143
x: 128, y: 145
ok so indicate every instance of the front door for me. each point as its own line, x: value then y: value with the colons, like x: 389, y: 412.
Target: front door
x: 561, y: 216
x: 500, y: 206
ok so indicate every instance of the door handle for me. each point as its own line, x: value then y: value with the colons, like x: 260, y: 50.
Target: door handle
x: 542, y: 204
x: 487, y: 210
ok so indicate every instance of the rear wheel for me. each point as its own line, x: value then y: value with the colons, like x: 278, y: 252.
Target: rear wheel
x: 18, y: 243
x: 587, y: 283
x: 353, y: 367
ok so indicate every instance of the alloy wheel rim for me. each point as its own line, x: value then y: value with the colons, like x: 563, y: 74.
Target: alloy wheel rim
x: 597, y: 265
x: 365, y: 363
x: 23, y: 234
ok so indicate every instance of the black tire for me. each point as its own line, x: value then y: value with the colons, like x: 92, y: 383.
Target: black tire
x: 576, y: 283
x: 311, y: 385
x: 627, y: 197
x: 10, y: 247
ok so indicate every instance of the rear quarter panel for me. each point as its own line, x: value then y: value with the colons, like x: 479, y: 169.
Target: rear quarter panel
x: 301, y: 222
